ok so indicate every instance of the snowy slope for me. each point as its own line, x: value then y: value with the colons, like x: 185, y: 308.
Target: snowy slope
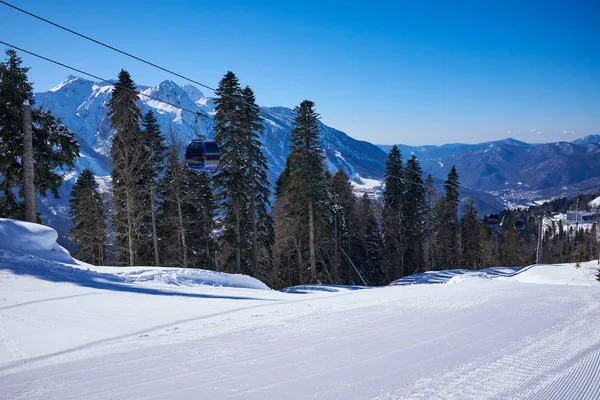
x: 70, y: 332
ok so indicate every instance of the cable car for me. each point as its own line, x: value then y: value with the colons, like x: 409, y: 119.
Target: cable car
x: 202, y: 155
x: 493, y: 220
x: 519, y: 224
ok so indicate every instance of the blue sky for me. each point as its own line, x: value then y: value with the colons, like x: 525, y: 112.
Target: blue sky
x: 410, y: 72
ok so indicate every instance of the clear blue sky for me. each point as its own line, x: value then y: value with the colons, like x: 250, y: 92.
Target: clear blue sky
x: 414, y: 72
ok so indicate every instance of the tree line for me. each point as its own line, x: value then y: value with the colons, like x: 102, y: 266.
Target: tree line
x: 316, y: 230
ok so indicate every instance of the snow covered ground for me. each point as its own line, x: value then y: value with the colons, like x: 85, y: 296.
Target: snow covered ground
x: 70, y: 330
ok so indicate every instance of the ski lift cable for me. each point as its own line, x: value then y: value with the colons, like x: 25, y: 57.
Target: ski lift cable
x: 193, y: 112
x: 81, y: 35
x: 95, y: 76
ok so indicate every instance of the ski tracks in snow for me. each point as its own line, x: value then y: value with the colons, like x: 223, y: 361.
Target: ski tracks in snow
x: 563, y: 364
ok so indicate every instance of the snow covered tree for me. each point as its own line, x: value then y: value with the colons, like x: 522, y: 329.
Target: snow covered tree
x: 54, y: 146
x: 88, y: 215
x: 130, y: 159
x: 392, y: 224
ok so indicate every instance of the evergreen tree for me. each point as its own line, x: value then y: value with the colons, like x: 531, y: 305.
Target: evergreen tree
x: 344, y: 224
x: 448, y: 228
x: 88, y: 215
x: 231, y: 176
x: 431, y: 247
x: 470, y: 237
x: 413, y: 208
x: 54, y: 145
x: 151, y: 169
x: 129, y: 158
x: 303, y: 187
x: 261, y: 224
x: 392, y: 224
x: 186, y: 213
x: 370, y: 254
x: 510, y: 251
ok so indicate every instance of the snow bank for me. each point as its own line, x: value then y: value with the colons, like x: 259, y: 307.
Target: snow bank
x: 560, y: 274
x: 190, y: 277
x: 32, y: 239
x: 595, y: 203
x: 455, y: 276
x: 31, y: 242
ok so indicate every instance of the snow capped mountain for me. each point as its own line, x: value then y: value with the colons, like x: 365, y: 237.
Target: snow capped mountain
x: 83, y: 106
x: 527, y: 171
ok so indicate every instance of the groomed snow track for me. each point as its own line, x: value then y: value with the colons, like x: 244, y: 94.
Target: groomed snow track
x: 151, y: 333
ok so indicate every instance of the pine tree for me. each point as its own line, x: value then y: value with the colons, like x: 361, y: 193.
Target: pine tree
x: 231, y: 175
x: 88, y: 215
x: 448, y: 228
x: 200, y: 210
x: 510, y: 251
x: 431, y: 247
x: 413, y: 208
x: 54, y: 145
x: 129, y: 158
x: 470, y: 237
x: 303, y: 188
x: 392, y: 224
x: 151, y: 169
x: 344, y: 224
x: 186, y: 214
x: 261, y: 223
x: 370, y: 244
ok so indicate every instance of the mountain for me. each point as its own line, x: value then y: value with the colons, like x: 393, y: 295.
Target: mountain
x: 446, y: 150
x: 508, y: 169
x: 515, y: 171
x: 83, y: 105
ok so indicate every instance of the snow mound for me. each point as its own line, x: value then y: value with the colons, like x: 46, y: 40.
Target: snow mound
x: 455, y: 276
x: 560, y: 274
x: 189, y: 277
x: 474, y: 276
x: 320, y: 288
x: 32, y: 239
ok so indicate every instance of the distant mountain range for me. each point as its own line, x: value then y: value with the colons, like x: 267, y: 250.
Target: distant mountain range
x: 491, y: 172
x: 516, y: 171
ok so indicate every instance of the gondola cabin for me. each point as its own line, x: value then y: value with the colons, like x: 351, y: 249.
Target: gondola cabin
x: 519, y: 224
x: 202, y: 155
x: 493, y: 220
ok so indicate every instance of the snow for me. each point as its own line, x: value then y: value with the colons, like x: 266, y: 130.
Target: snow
x: 560, y: 274
x: 69, y: 80
x: 595, y: 203
x: 441, y: 164
x: 360, y: 183
x: 71, y: 330
x: 25, y: 238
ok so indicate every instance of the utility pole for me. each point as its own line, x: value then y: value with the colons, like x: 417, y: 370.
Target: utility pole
x: 28, y: 173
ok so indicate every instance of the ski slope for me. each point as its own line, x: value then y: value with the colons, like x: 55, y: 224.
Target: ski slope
x: 73, y: 331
